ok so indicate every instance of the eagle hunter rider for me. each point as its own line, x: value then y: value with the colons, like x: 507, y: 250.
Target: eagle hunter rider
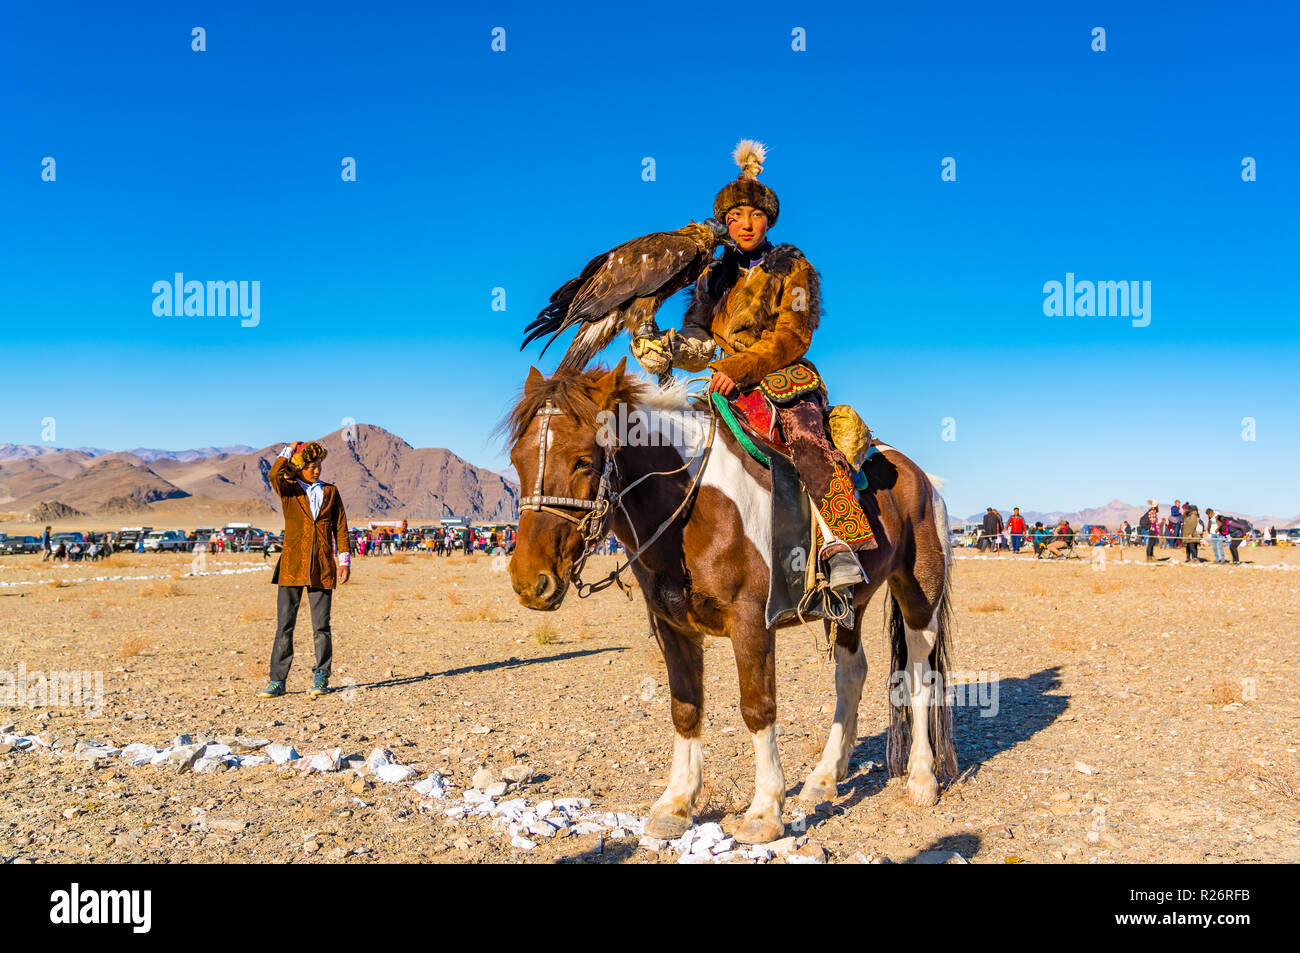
x: 760, y: 304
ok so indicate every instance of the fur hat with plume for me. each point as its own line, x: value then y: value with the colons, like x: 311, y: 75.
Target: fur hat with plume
x: 745, y: 189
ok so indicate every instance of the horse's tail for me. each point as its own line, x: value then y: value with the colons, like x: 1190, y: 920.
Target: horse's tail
x: 940, y: 720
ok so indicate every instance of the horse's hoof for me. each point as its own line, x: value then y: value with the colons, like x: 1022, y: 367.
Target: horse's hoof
x: 759, y: 830
x: 667, y: 826
x: 923, y: 790
x: 814, y: 792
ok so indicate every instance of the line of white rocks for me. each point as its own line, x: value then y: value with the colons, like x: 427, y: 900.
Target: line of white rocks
x: 524, y: 822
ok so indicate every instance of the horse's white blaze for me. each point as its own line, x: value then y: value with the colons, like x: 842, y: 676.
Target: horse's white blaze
x: 688, y: 432
x: 686, y: 777
x: 769, y: 780
x: 850, y: 672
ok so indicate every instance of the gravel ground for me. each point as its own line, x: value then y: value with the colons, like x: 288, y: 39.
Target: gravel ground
x: 1144, y: 713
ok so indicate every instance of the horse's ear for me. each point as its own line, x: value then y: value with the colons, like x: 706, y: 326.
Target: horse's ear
x: 607, y: 384
x: 534, y: 378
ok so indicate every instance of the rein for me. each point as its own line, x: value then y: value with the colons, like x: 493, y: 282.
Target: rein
x: 593, y: 523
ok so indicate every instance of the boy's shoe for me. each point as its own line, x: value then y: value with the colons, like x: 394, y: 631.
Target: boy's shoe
x: 320, y: 684
x: 274, y: 690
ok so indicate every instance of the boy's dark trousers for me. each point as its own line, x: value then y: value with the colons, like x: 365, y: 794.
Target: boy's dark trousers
x: 287, y: 602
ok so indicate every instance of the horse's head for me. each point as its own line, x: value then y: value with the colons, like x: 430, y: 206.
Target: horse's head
x: 557, y: 450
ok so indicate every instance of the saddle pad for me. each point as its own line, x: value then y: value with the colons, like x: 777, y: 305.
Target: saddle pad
x: 791, y: 538
x: 753, y: 412
x: 790, y: 383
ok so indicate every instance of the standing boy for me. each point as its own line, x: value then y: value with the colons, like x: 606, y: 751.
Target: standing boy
x: 315, y: 530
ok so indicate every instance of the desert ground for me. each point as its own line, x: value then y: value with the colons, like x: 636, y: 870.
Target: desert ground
x: 1144, y: 713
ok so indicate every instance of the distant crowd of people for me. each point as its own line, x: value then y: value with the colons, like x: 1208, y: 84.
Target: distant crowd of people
x: 1184, y: 527
x: 440, y: 542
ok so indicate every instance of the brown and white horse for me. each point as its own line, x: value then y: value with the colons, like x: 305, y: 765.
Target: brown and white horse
x: 708, y: 573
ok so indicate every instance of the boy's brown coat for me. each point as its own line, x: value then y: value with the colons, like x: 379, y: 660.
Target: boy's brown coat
x: 309, y: 545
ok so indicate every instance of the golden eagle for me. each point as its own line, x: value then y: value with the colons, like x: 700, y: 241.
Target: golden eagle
x: 623, y: 288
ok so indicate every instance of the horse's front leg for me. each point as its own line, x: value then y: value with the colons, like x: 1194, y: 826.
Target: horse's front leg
x: 683, y: 653
x: 850, y: 672
x: 755, y: 648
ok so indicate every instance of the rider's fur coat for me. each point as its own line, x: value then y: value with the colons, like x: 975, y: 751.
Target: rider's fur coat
x: 761, y: 317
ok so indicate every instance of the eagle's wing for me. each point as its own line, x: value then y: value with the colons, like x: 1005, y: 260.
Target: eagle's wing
x: 635, y: 269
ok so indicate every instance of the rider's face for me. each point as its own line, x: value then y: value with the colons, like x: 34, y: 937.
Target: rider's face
x: 747, y: 227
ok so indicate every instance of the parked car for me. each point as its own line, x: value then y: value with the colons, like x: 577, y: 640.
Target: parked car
x: 129, y: 536
x: 12, y: 545
x: 166, y: 541
x: 69, y: 539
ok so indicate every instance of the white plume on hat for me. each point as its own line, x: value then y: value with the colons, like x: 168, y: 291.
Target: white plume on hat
x: 750, y: 155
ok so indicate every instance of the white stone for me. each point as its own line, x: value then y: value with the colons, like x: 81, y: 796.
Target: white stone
x: 711, y: 831
x: 1083, y: 768
x: 282, y: 753
x: 540, y: 828
x: 523, y: 843
x: 378, y: 758
x: 394, y: 773
x: 431, y: 787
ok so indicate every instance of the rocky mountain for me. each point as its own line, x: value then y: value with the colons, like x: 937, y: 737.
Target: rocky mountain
x: 379, y: 474
x: 15, y: 451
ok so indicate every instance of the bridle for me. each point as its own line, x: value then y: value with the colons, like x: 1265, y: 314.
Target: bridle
x: 594, y: 521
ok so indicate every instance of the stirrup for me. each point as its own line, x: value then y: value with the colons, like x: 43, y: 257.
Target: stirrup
x: 844, y: 571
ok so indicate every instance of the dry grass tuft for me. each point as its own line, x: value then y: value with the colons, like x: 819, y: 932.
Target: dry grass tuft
x: 1273, y: 782
x: 454, y: 598
x: 1224, y: 692
x: 478, y: 614
x: 162, y: 589
x: 989, y: 605
x: 544, y: 634
x: 132, y: 646
x: 1066, y: 643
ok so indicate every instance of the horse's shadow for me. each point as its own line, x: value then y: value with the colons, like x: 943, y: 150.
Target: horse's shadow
x: 1023, y: 709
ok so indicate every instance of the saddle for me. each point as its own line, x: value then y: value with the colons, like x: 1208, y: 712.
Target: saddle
x: 794, y: 591
x: 752, y: 420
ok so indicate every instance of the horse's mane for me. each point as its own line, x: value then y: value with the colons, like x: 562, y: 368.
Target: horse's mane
x: 571, y: 392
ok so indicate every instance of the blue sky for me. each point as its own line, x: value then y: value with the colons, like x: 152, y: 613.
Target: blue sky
x: 479, y: 170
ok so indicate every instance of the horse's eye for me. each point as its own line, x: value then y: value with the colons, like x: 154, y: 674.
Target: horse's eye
x: 582, y: 463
